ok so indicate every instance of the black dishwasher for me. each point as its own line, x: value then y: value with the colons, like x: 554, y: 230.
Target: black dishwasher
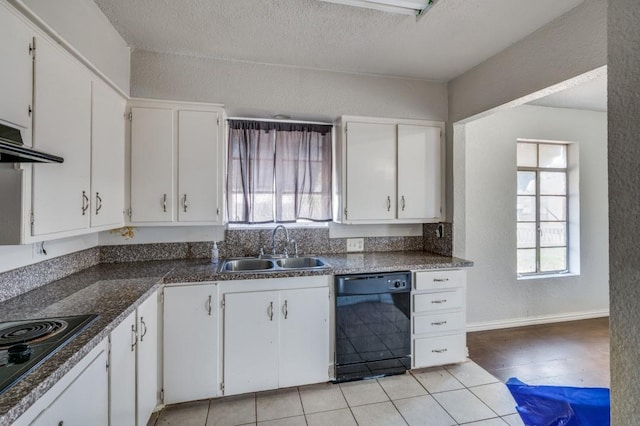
x: 373, y: 325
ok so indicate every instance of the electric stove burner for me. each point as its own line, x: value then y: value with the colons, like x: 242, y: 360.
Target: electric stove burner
x: 26, y: 344
x: 31, y: 332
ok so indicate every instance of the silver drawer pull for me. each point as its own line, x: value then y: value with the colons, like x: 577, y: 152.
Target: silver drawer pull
x: 270, y: 311
x: 439, y: 301
x: 440, y: 280
x: 439, y: 351
x: 439, y: 323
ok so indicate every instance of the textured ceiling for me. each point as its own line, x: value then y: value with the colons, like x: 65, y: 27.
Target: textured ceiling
x: 453, y: 37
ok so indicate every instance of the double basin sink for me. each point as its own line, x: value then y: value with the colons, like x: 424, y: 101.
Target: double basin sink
x: 273, y: 265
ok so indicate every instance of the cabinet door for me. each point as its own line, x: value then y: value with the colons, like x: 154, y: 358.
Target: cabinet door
x: 62, y: 126
x: 107, y: 156
x: 250, y: 342
x: 304, y: 336
x: 147, y: 359
x: 84, y: 401
x: 198, y: 157
x: 151, y: 165
x: 122, y: 374
x: 16, y: 73
x: 190, y: 325
x: 371, y: 171
x: 419, y: 172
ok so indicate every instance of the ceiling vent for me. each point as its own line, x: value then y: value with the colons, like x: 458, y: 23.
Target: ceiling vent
x: 405, y: 7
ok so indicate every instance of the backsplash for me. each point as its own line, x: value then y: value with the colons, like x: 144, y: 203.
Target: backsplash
x: 433, y: 244
x: 238, y: 243
x: 26, y: 278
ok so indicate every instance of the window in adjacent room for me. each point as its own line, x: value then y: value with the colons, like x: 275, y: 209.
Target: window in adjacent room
x: 279, y: 172
x: 543, y: 219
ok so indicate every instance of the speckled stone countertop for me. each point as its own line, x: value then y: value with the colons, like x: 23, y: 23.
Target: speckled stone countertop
x: 351, y: 263
x: 113, y: 291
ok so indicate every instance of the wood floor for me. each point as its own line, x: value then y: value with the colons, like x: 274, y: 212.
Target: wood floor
x: 574, y: 353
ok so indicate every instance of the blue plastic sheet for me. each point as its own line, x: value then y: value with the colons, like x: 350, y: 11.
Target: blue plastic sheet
x: 561, y: 405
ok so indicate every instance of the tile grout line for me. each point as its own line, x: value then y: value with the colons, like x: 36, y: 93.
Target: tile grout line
x: 348, y: 405
x: 431, y: 394
x: 391, y: 400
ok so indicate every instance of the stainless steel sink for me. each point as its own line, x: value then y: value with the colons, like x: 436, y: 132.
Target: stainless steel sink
x: 249, y: 265
x: 300, y: 263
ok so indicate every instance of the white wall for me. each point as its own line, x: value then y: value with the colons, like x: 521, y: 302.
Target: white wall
x: 12, y: 257
x: 83, y: 25
x: 570, y: 46
x: 496, y: 297
x: 624, y: 205
x: 547, y: 61
x: 264, y: 90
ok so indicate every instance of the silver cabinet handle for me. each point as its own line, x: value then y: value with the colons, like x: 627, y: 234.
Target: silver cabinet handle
x: 134, y: 337
x: 285, y: 309
x: 209, y: 306
x: 439, y: 351
x: 270, y: 311
x: 402, y: 202
x: 439, y: 323
x: 144, y: 328
x: 98, y: 203
x: 85, y: 203
x: 388, y: 203
x: 164, y: 202
x: 439, y: 301
x: 440, y: 280
x: 184, y: 203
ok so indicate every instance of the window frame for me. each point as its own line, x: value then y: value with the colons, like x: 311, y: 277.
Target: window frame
x: 538, y: 221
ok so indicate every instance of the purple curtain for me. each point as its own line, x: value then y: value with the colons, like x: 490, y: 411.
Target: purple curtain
x: 278, y: 172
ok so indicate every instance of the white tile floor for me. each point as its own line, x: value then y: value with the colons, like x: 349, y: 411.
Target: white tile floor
x: 462, y: 394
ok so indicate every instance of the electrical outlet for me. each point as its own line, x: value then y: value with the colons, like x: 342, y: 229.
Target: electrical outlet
x: 355, y: 244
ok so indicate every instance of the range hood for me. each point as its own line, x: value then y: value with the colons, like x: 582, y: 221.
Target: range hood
x: 12, y: 149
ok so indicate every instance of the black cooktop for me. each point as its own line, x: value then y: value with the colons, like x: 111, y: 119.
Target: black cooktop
x: 26, y: 344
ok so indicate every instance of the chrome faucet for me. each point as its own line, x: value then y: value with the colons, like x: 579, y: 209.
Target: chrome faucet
x: 273, y: 239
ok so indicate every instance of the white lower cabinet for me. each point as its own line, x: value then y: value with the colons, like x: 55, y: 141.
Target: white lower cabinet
x: 190, y: 354
x: 79, y: 398
x: 122, y: 380
x: 276, y: 338
x: 133, y: 380
x: 438, y: 318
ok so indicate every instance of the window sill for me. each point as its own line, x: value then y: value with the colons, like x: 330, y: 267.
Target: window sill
x: 545, y: 276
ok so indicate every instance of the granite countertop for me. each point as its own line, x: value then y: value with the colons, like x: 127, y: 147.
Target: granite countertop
x: 113, y: 291
x: 347, y: 263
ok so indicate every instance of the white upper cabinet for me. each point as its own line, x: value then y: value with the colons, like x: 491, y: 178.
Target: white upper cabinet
x: 198, y: 149
x: 419, y: 183
x: 61, y: 126
x: 107, y: 156
x: 16, y: 72
x: 177, y: 163
x: 371, y: 171
x: 151, y: 165
x: 389, y: 171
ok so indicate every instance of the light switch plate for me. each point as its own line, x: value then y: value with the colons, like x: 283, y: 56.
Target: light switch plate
x: 355, y: 244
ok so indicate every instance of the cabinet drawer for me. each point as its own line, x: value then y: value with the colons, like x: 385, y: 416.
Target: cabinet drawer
x: 430, y: 280
x: 437, y: 323
x: 428, y: 302
x: 439, y: 350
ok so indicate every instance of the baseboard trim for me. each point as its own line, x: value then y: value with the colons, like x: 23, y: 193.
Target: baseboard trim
x: 543, y: 319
